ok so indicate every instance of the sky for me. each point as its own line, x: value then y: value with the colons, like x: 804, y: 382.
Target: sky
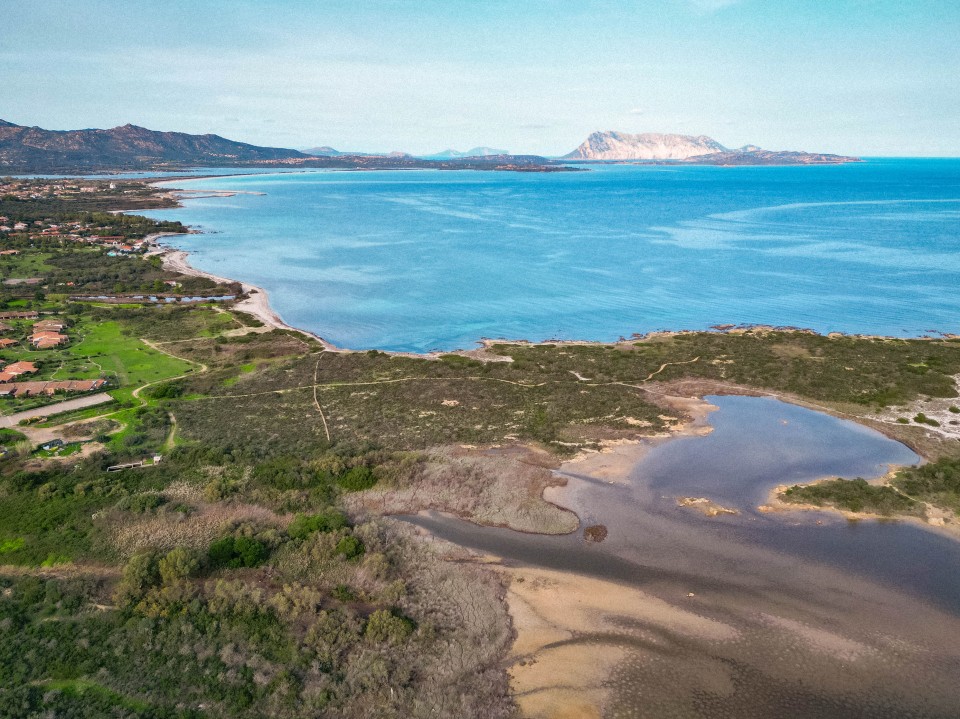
x: 866, y: 77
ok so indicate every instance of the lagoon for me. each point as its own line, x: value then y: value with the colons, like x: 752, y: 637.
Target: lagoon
x: 825, y: 617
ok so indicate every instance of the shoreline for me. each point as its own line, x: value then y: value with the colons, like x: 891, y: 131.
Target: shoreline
x: 257, y: 304
x: 181, y: 264
x: 256, y: 301
x: 946, y: 527
x: 485, y: 342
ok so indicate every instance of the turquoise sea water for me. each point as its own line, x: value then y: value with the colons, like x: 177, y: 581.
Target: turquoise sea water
x: 423, y: 260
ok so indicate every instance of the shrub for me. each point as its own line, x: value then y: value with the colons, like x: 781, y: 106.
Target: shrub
x: 236, y: 552
x: 140, y: 503
x: 350, y: 547
x: 167, y: 390
x: 304, y: 525
x: 357, y: 479
x: 179, y: 563
x: 140, y: 574
x: 385, y: 627
x: 855, y: 495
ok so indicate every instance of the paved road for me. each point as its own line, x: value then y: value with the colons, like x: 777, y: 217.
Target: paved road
x: 11, y: 420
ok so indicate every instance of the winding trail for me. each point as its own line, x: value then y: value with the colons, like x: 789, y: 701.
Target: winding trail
x: 155, y: 346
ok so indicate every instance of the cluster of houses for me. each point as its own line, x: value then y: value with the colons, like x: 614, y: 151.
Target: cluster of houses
x: 12, y: 386
x: 45, y: 334
x: 51, y: 387
x: 35, y: 189
x: 73, y: 231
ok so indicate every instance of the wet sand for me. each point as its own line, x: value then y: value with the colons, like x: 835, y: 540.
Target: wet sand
x: 676, y: 614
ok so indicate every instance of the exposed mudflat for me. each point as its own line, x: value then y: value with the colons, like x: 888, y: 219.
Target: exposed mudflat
x: 678, y: 614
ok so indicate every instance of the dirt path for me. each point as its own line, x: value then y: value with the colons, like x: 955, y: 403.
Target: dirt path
x: 156, y: 346
x: 316, y: 402
x: 90, y: 400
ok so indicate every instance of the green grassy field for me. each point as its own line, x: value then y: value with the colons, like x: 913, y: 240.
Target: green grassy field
x: 25, y: 264
x: 107, y: 348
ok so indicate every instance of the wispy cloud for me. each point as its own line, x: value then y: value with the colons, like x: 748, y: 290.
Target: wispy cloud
x: 636, y: 111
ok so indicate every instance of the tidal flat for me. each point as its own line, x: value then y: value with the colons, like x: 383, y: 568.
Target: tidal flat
x: 746, y: 615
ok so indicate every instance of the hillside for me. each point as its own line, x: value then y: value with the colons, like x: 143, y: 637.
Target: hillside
x: 33, y: 149
x: 620, y: 147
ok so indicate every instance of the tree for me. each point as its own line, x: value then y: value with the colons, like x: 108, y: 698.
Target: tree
x: 179, y: 563
x: 140, y: 574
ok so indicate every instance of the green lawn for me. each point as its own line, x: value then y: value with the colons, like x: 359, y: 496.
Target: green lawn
x: 105, y: 349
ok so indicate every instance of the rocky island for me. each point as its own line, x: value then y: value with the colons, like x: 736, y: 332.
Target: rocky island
x: 612, y: 146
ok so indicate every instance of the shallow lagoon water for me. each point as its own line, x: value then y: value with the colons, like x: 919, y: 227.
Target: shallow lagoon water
x: 890, y: 586
x: 423, y: 260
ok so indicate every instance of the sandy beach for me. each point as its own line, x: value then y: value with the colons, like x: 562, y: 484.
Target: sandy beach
x: 256, y: 301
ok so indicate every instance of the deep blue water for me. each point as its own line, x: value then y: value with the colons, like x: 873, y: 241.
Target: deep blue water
x: 421, y: 260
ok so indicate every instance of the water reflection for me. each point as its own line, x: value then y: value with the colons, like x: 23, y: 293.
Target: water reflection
x: 890, y: 587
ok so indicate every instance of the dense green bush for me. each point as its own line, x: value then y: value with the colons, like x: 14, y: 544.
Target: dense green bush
x: 383, y: 626
x: 357, y: 479
x: 304, y: 525
x: 854, y: 495
x: 236, y: 552
x: 350, y: 547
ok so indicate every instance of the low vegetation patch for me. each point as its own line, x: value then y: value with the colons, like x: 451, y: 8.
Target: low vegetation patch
x: 853, y: 495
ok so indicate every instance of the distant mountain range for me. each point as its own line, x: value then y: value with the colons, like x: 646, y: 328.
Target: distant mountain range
x: 456, y: 154
x: 611, y: 146
x: 327, y: 151
x: 35, y: 150
x: 32, y: 149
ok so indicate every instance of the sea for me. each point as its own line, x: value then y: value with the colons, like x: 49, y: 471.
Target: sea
x: 425, y: 260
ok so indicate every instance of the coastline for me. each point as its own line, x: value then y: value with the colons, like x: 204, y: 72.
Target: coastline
x: 555, y: 671
x: 256, y: 301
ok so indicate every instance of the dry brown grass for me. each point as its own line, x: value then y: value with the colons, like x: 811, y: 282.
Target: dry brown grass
x: 196, y: 529
x: 497, y: 487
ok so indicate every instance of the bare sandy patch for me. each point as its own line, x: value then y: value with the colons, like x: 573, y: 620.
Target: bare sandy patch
x: 821, y: 640
x: 567, y: 647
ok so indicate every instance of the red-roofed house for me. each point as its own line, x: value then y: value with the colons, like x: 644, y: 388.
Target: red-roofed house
x: 21, y: 368
x: 47, y: 340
